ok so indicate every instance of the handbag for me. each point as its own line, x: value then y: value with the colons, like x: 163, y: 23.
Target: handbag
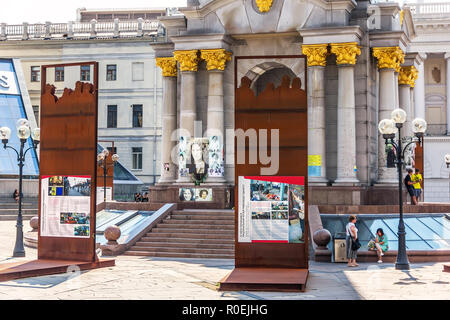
x: 355, y: 243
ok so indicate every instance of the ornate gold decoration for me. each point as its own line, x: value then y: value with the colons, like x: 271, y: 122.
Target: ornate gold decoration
x: 389, y: 57
x: 316, y: 53
x: 188, y: 59
x: 408, y: 75
x: 401, y: 17
x: 216, y: 59
x: 168, y: 66
x: 264, y: 5
x: 346, y: 52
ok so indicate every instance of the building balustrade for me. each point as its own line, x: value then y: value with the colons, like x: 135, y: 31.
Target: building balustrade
x: 426, y: 10
x: 83, y: 30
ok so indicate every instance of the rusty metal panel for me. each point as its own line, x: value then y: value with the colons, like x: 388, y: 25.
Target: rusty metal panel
x: 69, y: 147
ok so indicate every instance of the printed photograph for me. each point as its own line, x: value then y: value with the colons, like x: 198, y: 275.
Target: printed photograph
x: 296, y: 213
x: 203, y: 194
x: 81, y: 231
x: 187, y: 194
x: 268, y: 191
x: 280, y: 205
x: 75, y: 186
x: 56, y: 181
x: 279, y: 215
x: 260, y: 215
x: 55, y: 191
x: 74, y: 218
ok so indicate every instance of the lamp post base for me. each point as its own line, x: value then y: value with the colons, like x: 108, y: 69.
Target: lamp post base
x: 19, y: 254
x: 401, y: 266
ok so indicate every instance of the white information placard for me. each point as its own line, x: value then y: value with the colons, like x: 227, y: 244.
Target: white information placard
x: 271, y: 209
x: 65, y: 206
x: 101, y: 194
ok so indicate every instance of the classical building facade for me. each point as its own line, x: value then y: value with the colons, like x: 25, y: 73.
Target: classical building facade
x: 130, y: 85
x: 362, y: 65
x: 432, y: 92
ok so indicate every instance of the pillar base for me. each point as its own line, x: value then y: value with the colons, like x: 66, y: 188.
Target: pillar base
x: 317, y: 181
x: 346, y: 182
x: 215, y: 180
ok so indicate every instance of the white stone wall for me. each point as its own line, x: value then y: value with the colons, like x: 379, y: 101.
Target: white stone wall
x: 436, y: 173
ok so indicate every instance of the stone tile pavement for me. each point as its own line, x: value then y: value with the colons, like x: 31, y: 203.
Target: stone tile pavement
x: 195, y: 279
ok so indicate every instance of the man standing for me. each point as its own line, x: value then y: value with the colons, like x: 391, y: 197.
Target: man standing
x: 409, y: 186
x: 417, y: 179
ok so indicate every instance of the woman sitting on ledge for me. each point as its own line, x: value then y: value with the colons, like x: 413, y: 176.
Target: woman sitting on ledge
x: 380, y: 244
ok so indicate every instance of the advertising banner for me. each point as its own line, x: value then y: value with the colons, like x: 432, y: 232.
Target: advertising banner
x: 65, y: 206
x: 271, y: 209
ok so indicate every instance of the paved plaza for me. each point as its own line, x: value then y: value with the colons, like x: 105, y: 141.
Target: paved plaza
x: 195, y: 279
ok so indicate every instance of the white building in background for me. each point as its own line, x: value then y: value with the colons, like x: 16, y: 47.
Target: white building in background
x: 130, y: 84
x: 432, y: 92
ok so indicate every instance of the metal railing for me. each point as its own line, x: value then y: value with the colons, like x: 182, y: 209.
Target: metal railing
x: 83, y: 30
x: 435, y: 9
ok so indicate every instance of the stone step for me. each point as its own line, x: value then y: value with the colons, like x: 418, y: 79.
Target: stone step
x: 185, y: 217
x: 156, y: 244
x: 183, y: 250
x: 166, y: 234
x: 178, y: 255
x: 190, y: 240
x: 195, y: 226
x: 195, y: 231
x: 13, y: 217
x: 199, y: 221
x: 16, y: 211
x: 16, y: 205
x: 227, y: 213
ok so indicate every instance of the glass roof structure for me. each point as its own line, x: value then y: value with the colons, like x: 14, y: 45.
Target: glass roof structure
x: 12, y: 109
x: 120, y: 172
x: 423, y: 232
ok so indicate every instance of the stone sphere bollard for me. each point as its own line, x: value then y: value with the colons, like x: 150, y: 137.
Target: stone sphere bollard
x: 321, y: 237
x: 112, y: 233
x: 34, y: 223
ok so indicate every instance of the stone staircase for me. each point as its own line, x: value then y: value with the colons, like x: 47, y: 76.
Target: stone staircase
x: 190, y: 234
x: 9, y: 208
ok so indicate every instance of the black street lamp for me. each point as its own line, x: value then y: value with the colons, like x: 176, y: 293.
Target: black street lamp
x: 387, y: 128
x: 102, y: 163
x: 23, y: 132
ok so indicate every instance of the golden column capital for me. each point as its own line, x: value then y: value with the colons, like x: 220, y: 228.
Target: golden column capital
x: 168, y: 66
x: 408, y: 75
x: 346, y: 52
x: 216, y: 59
x: 316, y: 53
x: 188, y: 59
x: 264, y: 5
x: 389, y: 57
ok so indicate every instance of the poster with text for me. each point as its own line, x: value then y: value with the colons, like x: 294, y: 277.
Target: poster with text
x: 101, y: 194
x: 65, y: 206
x: 271, y: 209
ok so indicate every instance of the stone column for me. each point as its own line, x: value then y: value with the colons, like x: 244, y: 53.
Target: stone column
x: 419, y: 90
x: 316, y: 54
x: 169, y: 118
x: 389, y: 60
x: 346, y: 136
x: 407, y: 76
x: 188, y: 60
x: 447, y: 85
x: 215, y: 64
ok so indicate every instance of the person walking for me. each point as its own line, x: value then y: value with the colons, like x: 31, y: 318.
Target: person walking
x: 410, y: 186
x: 351, y: 236
x: 16, y: 195
x: 417, y: 179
